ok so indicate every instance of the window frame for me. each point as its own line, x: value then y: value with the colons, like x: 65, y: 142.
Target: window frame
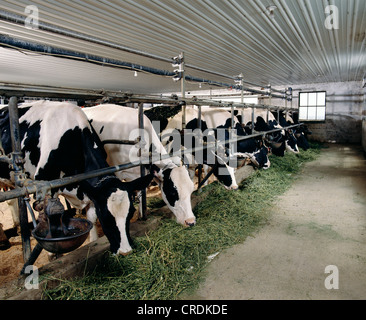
x: 316, y: 106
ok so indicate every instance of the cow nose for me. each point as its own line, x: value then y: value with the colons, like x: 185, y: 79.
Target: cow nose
x: 190, y: 222
x: 235, y: 187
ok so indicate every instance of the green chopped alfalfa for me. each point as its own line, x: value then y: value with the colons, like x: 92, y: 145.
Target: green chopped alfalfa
x: 172, y: 259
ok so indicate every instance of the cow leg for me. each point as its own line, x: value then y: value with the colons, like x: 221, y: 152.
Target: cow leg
x: 91, y: 215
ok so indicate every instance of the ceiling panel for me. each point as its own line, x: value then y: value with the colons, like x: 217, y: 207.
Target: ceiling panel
x: 228, y: 37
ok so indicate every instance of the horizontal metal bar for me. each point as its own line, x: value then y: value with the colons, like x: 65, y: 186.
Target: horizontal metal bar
x: 26, y: 90
x: 112, y: 141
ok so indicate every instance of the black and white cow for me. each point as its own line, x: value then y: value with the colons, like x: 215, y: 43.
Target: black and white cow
x: 121, y: 123
x: 250, y: 148
x: 57, y: 141
x: 301, y: 132
x: 168, y: 129
x: 280, y: 141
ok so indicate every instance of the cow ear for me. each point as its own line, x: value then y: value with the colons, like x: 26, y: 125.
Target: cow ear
x: 157, y: 173
x: 140, y: 183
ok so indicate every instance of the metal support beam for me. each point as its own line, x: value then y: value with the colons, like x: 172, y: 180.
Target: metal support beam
x: 19, y: 176
x: 142, y: 167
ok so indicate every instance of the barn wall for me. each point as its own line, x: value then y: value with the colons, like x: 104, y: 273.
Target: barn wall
x: 345, y: 103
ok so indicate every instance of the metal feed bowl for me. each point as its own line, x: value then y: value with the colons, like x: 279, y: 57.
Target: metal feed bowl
x: 78, y: 230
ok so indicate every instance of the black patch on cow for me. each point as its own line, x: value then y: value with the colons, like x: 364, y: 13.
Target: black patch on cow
x: 169, y: 188
x: 193, y: 124
x: 31, y: 141
x: 162, y: 114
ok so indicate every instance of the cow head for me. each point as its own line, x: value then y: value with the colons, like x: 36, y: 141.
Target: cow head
x: 114, y: 207
x: 176, y: 189
x: 224, y: 173
x: 260, y: 158
x: 291, y: 142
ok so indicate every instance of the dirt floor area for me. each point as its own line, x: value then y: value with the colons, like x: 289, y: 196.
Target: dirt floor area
x: 320, y: 221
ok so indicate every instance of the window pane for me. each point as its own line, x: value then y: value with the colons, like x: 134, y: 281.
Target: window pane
x: 321, y: 99
x: 303, y: 113
x: 303, y: 99
x: 312, y: 113
x: 320, y: 114
x: 312, y: 99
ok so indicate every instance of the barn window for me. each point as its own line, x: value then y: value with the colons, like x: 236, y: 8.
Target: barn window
x: 312, y: 106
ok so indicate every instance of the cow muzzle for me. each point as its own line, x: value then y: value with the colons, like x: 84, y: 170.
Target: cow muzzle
x: 232, y: 187
x: 190, y: 222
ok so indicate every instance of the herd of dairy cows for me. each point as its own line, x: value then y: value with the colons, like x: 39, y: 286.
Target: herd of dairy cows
x: 59, y: 139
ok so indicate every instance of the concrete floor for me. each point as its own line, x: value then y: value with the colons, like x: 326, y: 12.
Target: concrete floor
x: 319, y: 222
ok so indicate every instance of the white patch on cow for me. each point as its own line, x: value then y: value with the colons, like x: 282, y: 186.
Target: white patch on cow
x: 91, y: 215
x: 234, y: 185
x: 118, y: 205
x: 184, y: 185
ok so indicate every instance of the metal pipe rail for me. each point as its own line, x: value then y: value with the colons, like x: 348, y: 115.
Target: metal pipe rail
x: 41, y: 187
x: 19, y: 90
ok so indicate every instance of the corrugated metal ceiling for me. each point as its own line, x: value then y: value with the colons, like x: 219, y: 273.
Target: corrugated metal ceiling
x: 226, y: 36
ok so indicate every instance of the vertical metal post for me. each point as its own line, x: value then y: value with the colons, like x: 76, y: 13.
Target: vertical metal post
x: 183, y: 89
x: 291, y: 97
x: 270, y: 99
x: 286, y: 99
x: 253, y: 115
x: 18, y: 167
x: 232, y: 117
x: 199, y: 125
x: 142, y: 168
x: 242, y: 98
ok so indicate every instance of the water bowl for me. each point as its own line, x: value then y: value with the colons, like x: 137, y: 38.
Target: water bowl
x: 74, y: 236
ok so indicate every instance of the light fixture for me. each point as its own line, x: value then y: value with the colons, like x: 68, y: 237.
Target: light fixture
x: 270, y: 10
x: 135, y: 74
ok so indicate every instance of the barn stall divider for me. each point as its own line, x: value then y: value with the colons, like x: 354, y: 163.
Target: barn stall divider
x: 41, y: 188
